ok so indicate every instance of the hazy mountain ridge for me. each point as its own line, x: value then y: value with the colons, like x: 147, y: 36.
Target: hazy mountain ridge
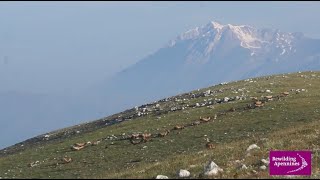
x: 209, y: 55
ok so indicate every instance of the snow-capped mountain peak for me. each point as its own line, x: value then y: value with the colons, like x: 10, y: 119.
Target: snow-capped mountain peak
x: 205, y: 40
x: 216, y: 25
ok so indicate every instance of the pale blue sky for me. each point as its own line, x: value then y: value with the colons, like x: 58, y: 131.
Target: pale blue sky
x: 61, y: 47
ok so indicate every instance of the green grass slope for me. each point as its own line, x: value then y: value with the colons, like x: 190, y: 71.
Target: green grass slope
x: 289, y: 122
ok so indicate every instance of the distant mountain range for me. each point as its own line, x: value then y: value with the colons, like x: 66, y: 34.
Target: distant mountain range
x: 208, y: 55
x: 197, y: 58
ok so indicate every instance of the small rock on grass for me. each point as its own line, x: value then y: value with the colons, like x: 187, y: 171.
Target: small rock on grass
x: 162, y: 177
x: 212, y: 169
x: 183, y: 173
x: 252, y: 146
x: 263, y: 167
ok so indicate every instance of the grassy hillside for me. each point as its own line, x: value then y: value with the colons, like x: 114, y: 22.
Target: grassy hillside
x: 287, y: 122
